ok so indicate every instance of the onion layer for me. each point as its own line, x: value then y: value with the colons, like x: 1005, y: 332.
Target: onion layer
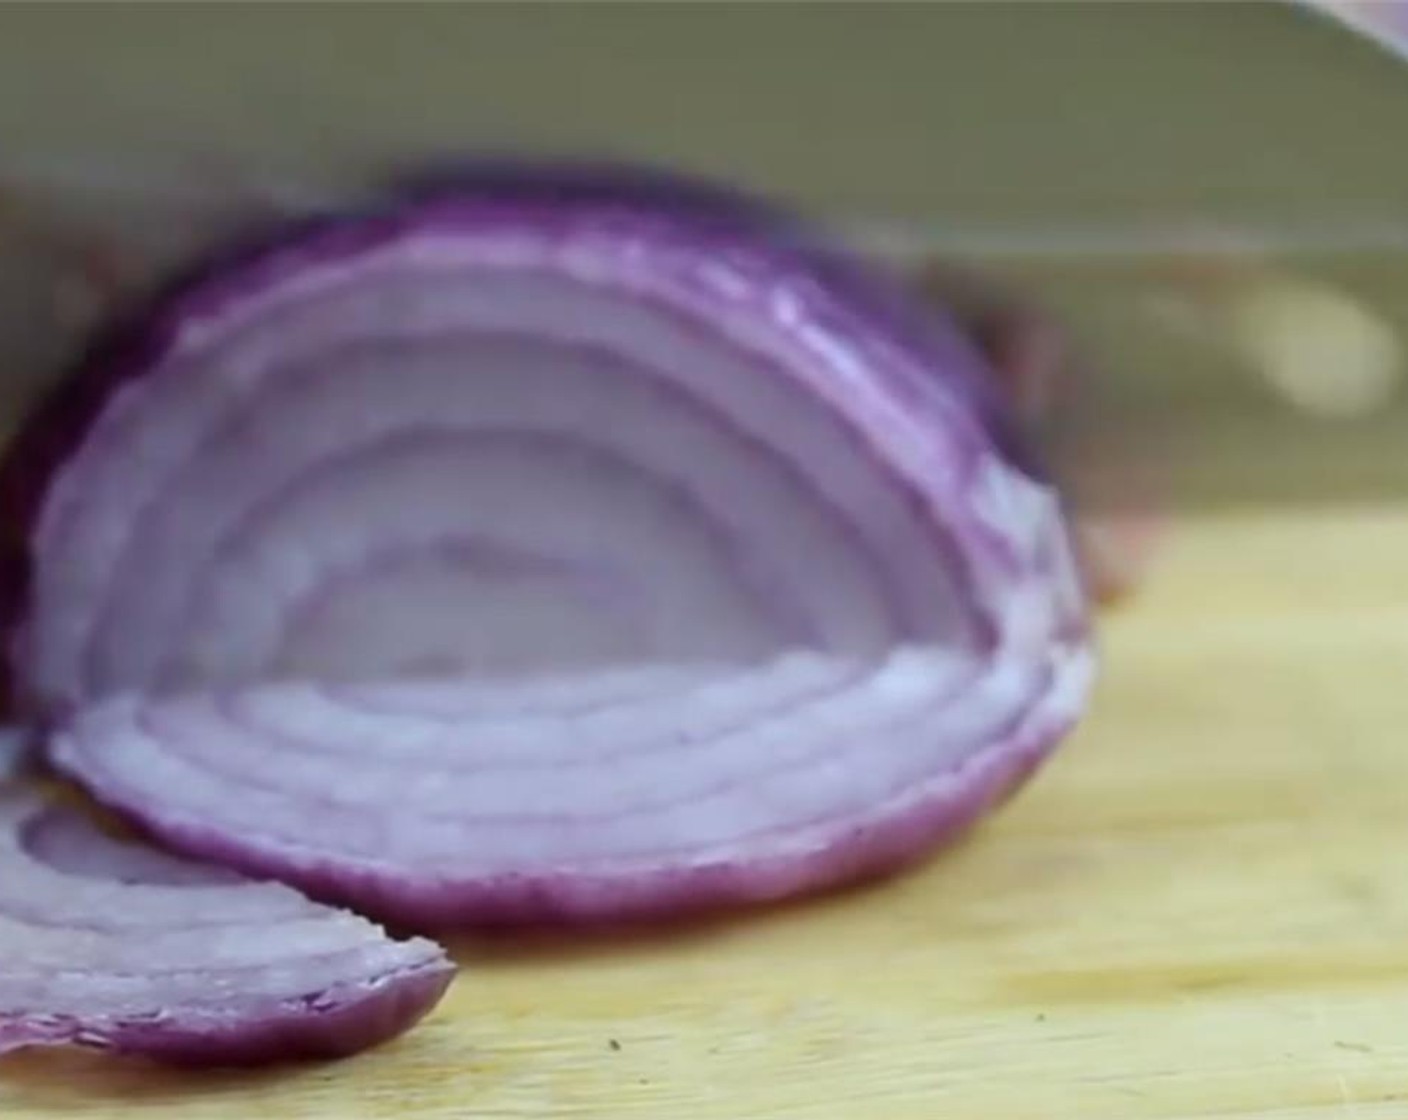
x: 118, y: 946
x: 553, y: 555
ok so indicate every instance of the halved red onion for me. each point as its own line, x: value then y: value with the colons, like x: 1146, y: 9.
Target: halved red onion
x: 559, y: 554
x: 118, y: 946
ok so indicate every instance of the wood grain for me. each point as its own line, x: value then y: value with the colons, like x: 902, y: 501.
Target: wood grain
x: 1199, y: 911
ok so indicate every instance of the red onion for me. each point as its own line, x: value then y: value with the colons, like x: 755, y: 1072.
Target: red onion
x: 118, y: 946
x: 550, y: 554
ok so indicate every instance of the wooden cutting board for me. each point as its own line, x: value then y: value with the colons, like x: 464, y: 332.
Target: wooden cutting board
x: 1200, y: 910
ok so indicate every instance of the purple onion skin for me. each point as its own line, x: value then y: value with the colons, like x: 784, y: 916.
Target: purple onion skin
x: 338, y: 1025
x: 877, y: 291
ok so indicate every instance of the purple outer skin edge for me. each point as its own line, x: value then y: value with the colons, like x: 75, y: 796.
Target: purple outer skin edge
x: 876, y: 290
x: 336, y: 1024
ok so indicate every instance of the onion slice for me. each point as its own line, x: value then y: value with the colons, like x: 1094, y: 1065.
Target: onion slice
x: 118, y: 946
x: 740, y: 540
